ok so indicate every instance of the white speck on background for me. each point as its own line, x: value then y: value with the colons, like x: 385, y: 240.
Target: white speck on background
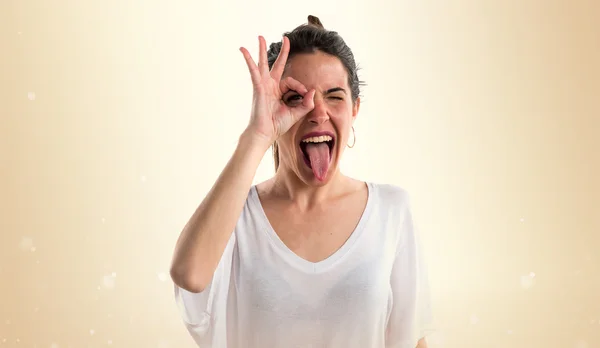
x: 31, y: 96
x: 26, y: 243
x: 527, y: 281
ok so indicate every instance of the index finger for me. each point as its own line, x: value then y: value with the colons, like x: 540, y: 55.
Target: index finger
x: 279, y: 64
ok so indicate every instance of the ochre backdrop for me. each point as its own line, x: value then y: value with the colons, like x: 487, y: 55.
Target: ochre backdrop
x: 117, y: 116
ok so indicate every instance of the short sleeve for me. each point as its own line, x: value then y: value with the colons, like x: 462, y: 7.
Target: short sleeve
x: 199, y: 311
x: 411, y: 316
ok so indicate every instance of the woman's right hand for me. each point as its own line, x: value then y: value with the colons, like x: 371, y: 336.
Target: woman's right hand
x: 271, y: 116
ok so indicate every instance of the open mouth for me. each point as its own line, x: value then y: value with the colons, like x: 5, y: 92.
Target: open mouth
x: 316, y: 140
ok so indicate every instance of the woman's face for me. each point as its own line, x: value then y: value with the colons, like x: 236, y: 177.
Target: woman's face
x: 312, y: 148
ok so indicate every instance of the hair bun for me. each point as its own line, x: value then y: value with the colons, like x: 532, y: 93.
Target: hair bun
x: 312, y: 20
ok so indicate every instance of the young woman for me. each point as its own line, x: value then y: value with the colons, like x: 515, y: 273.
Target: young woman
x: 310, y: 257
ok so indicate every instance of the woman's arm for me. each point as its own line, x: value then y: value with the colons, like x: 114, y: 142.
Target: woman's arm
x: 203, y: 240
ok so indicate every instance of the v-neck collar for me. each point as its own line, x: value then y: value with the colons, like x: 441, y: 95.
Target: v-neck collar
x: 292, y: 257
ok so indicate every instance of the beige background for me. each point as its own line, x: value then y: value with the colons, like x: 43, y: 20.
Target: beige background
x: 117, y: 116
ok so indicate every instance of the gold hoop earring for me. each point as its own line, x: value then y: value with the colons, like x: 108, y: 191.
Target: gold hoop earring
x: 353, y: 137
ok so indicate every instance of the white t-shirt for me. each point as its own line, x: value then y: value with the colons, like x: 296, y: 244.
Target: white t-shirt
x: 372, y: 293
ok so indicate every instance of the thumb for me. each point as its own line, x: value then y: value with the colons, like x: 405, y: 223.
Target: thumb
x: 308, y: 103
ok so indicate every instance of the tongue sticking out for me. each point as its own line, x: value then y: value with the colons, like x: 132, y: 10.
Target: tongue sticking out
x: 318, y: 154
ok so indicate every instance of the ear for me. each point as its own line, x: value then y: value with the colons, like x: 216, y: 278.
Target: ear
x: 355, y: 109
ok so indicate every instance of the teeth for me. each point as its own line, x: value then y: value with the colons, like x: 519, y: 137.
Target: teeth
x: 320, y: 139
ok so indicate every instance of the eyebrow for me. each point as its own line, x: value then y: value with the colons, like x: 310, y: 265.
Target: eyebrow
x: 335, y: 89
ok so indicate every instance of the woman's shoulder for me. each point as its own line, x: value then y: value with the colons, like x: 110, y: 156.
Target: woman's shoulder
x: 390, y: 193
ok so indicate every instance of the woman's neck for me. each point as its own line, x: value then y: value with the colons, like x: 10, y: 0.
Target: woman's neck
x: 287, y: 185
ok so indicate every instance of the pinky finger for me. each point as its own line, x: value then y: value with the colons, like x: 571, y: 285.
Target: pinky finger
x: 254, y: 72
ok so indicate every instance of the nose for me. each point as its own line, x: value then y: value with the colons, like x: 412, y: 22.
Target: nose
x: 318, y: 115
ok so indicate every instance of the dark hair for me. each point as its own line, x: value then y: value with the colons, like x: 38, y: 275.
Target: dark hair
x: 312, y: 37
